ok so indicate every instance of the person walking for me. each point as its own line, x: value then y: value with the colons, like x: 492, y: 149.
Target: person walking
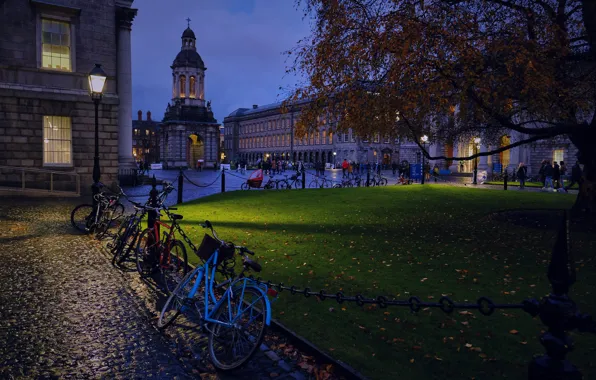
x: 541, y: 173
x: 548, y: 175
x: 522, y: 172
x: 350, y: 170
x: 556, y: 175
x: 576, y: 176
x: 344, y: 168
x: 436, y: 172
x: 563, y: 170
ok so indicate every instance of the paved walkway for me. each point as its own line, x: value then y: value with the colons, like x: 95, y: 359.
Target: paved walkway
x: 66, y: 312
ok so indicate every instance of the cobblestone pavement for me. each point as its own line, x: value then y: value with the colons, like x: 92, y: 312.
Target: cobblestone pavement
x: 66, y: 312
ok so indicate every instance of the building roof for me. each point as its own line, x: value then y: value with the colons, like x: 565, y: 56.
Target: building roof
x: 267, y: 107
x: 189, y: 58
x: 188, y: 33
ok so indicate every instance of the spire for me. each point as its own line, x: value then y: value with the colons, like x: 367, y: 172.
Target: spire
x: 188, y: 20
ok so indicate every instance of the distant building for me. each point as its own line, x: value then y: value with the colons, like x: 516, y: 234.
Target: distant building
x: 47, y: 49
x: 261, y: 132
x: 189, y: 132
x: 145, y: 138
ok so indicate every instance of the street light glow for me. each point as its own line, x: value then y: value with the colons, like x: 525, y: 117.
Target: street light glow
x: 424, y: 139
x: 477, y: 140
x: 97, y: 80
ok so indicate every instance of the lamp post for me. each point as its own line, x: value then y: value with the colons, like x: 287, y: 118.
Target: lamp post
x: 97, y: 82
x: 476, y: 147
x: 334, y: 159
x: 424, y: 140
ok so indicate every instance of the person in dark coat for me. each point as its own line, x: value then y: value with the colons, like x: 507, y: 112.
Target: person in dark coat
x: 548, y: 175
x: 522, y: 172
x: 556, y: 175
x: 576, y: 176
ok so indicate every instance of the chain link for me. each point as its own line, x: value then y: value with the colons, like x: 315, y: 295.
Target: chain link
x: 484, y: 304
x: 197, y: 185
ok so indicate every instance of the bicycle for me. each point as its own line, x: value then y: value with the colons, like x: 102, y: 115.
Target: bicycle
x: 293, y: 182
x: 320, y: 182
x: 344, y: 183
x: 378, y: 180
x: 236, y: 322
x: 88, y: 219
x: 167, y: 254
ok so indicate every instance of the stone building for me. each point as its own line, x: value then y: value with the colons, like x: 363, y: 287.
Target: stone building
x: 145, y: 138
x: 189, y: 132
x: 47, y: 49
x: 263, y: 132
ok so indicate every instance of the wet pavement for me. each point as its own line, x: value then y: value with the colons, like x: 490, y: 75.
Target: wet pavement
x: 66, y: 312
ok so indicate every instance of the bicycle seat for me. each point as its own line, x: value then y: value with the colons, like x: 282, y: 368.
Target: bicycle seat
x: 252, y: 264
x: 176, y: 216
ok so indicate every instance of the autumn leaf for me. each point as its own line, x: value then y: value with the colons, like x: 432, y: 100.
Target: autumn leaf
x: 514, y: 332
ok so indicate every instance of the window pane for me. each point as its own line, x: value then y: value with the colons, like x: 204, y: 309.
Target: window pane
x: 57, y: 140
x: 56, y: 45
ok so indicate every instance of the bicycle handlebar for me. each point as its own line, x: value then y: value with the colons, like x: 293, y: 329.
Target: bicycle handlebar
x: 240, y: 248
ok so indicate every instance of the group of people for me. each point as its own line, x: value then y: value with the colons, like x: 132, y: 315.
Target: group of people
x: 273, y: 166
x: 552, y: 175
x: 351, y: 168
x: 143, y: 167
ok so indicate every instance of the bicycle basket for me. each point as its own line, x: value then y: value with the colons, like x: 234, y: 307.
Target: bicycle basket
x: 208, y: 247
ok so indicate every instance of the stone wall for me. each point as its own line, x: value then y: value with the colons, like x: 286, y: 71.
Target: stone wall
x: 21, y: 131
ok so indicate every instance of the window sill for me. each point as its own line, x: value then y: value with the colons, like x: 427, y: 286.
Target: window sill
x: 58, y: 166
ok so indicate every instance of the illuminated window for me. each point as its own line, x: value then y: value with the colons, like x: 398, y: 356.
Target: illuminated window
x: 146, y: 132
x: 345, y: 137
x: 317, y: 138
x: 330, y: 137
x: 193, y: 87
x: 55, y: 45
x: 57, y: 138
x: 352, y: 136
x: 182, y: 86
x: 558, y: 155
x: 324, y: 137
x: 377, y: 137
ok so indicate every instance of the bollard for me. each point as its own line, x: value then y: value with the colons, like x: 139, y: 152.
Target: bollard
x: 223, y: 180
x: 367, y: 178
x: 505, y: 181
x: 303, y: 179
x: 180, y: 186
x: 152, y: 214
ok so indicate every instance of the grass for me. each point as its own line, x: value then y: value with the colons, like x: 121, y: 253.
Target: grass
x: 528, y: 184
x: 401, y: 241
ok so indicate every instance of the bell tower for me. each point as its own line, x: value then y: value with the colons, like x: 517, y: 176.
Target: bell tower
x: 188, y: 72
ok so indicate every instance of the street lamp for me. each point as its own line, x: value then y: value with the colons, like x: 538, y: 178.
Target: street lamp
x: 424, y: 140
x: 97, y: 82
x: 476, y: 147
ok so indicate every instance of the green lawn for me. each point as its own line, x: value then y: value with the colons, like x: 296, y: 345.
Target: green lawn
x: 401, y: 241
x: 528, y: 184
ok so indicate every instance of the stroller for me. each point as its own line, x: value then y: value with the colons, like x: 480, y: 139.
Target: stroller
x: 256, y: 180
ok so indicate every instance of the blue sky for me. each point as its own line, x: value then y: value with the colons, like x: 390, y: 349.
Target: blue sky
x: 241, y: 41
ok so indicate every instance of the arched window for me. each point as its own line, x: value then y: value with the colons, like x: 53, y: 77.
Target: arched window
x: 324, y: 139
x: 193, y: 87
x: 182, y: 86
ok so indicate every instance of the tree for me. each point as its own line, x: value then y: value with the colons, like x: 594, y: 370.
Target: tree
x: 454, y: 68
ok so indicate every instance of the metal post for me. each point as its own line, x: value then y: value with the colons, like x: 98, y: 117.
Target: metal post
x: 423, y: 149
x: 475, y: 174
x: 303, y: 178
x: 367, y: 178
x: 96, y: 170
x: 180, y: 186
x: 152, y: 214
x: 51, y: 182
x: 223, y: 180
x: 505, y: 181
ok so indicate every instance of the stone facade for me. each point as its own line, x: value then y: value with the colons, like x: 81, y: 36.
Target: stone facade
x: 31, y: 91
x: 262, y: 132
x: 189, y: 133
x: 145, y: 138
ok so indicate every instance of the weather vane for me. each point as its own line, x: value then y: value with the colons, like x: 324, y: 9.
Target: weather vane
x: 188, y: 20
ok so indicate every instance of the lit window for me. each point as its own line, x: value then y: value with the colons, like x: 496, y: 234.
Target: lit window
x: 55, y: 45
x: 345, y: 135
x: 146, y: 132
x: 193, y: 87
x: 57, y: 138
x: 317, y: 138
x: 330, y: 137
x: 324, y: 137
x: 377, y: 137
x: 182, y: 86
x: 558, y: 155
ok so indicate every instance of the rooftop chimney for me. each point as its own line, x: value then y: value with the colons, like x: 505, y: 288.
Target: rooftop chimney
x: 148, y: 115
x: 140, y: 113
x: 255, y: 106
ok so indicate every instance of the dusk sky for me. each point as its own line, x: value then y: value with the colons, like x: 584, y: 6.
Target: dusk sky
x: 241, y: 42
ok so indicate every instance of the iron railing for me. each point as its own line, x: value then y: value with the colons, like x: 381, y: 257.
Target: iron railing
x: 33, y: 180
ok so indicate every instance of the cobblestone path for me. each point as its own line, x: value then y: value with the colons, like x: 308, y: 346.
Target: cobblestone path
x: 66, y: 312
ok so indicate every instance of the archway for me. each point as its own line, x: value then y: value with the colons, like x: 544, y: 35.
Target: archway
x: 195, y: 151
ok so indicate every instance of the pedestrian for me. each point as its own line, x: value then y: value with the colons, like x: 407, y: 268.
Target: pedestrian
x: 563, y: 170
x: 576, y: 176
x: 556, y: 175
x: 394, y: 167
x: 146, y: 167
x: 548, y: 175
x: 344, y: 168
x: 522, y: 172
x: 436, y: 172
x: 350, y: 170
x: 141, y: 167
x: 541, y: 173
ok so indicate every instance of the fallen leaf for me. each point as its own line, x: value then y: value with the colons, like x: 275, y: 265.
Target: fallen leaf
x: 514, y: 332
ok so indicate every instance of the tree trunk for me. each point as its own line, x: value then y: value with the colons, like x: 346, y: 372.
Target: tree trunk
x: 586, y: 198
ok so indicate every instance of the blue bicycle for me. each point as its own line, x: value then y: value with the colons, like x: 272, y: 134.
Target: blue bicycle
x: 236, y: 323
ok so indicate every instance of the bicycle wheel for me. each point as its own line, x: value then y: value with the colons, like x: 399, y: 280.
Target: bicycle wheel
x: 298, y: 184
x: 283, y: 185
x: 176, y: 267
x: 383, y: 182
x: 337, y: 186
x: 82, y: 217
x: 117, y: 244
x: 327, y: 184
x: 176, y: 301
x: 146, y: 252
x: 313, y: 184
x: 244, y: 186
x: 233, y: 345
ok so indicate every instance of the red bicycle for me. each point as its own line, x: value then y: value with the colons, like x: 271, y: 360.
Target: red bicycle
x: 166, y: 254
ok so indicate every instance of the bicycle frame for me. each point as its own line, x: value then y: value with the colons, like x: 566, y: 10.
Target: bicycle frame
x: 202, y: 272
x: 166, y: 245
